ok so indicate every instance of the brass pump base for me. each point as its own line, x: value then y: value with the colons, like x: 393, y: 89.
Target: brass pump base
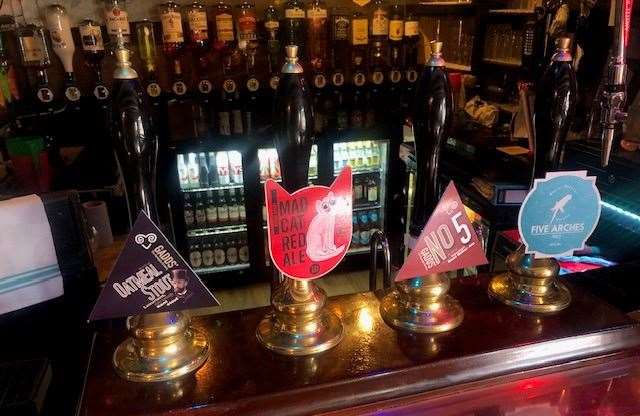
x: 530, y: 284
x: 300, y: 324
x: 162, y: 347
x: 422, y: 305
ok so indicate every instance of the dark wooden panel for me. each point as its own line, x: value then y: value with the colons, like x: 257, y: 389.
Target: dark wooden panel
x: 372, y: 363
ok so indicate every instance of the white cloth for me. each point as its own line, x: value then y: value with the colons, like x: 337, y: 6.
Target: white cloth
x: 29, y: 272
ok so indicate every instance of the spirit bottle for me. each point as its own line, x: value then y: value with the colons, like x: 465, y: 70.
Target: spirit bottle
x: 247, y: 26
x: 340, y: 23
x: 225, y: 37
x: 173, y: 42
x: 359, y: 43
x: 379, y: 21
x: 117, y: 22
x: 396, y: 32
x: 147, y: 51
x: 411, y: 41
x: 294, y: 30
x: 250, y: 96
x: 34, y: 54
x: 294, y: 137
x: 317, y: 36
x: 93, y: 51
x: 59, y: 28
x: 376, y: 90
x: 199, y: 41
x: 272, y: 26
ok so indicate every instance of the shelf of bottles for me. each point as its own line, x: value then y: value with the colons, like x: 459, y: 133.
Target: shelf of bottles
x: 503, y: 45
x: 368, y: 161
x: 212, y: 188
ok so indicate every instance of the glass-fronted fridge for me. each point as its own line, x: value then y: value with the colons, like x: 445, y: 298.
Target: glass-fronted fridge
x: 368, y: 159
x: 209, y: 210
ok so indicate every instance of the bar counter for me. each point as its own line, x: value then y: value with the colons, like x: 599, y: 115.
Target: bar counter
x: 499, y: 358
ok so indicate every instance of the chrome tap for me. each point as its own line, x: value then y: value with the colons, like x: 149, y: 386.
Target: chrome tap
x: 613, y: 94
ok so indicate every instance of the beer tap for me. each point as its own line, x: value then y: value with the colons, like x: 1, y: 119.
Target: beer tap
x: 613, y: 94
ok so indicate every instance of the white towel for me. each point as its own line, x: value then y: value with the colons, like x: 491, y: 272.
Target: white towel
x: 29, y: 271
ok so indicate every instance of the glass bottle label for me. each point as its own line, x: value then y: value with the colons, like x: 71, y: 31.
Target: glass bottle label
x: 271, y: 25
x: 395, y: 76
x: 179, y: 88
x: 117, y: 21
x: 61, y: 39
x: 224, y: 27
x: 337, y: 79
x: 212, y: 214
x: 171, y: 27
x: 377, y: 77
x: 380, y: 23
x: 273, y: 82
x: 396, y: 29
x: 247, y: 27
x: 316, y: 13
x: 232, y: 255
x: 243, y: 254
x: 218, y: 256
x: 198, y: 25
x: 359, y: 32
x: 153, y: 89
x: 101, y: 92
x: 205, y: 86
x: 253, y: 84
x: 45, y: 95
x: 72, y: 93
x: 32, y: 47
x: 91, y: 38
x: 195, y: 258
x: 207, y: 257
x: 411, y: 28
x: 229, y: 86
x: 359, y: 79
x: 412, y: 75
x: 319, y: 81
x: 294, y: 13
x: 341, y: 28
x: 188, y: 217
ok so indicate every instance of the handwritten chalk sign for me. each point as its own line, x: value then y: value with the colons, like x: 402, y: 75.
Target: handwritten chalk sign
x: 310, y: 230
x: 150, y: 276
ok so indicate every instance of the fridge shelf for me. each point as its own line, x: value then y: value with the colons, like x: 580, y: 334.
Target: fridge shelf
x: 216, y: 230
x: 220, y: 269
x: 311, y: 178
x: 366, y: 207
x: 214, y: 188
x: 360, y: 171
x: 358, y: 250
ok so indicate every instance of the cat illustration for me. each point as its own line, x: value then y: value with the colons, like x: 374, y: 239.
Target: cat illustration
x: 320, y: 235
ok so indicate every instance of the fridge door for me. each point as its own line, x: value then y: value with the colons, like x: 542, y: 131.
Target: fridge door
x: 212, y: 197
x: 369, y: 162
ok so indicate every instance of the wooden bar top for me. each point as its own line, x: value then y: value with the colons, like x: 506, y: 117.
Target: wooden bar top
x: 373, y: 363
